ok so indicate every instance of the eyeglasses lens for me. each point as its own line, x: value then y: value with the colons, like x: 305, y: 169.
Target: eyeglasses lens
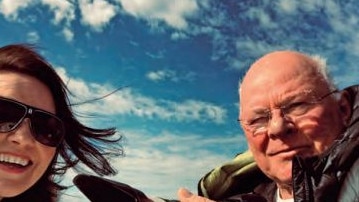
x: 10, y: 115
x: 46, y: 128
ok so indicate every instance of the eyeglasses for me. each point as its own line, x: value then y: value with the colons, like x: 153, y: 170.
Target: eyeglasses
x: 259, y: 124
x: 46, y: 128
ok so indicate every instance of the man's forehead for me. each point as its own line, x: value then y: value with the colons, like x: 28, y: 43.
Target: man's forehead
x: 279, y: 64
x: 281, y: 60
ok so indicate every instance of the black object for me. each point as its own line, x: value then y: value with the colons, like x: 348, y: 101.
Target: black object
x: 98, y: 189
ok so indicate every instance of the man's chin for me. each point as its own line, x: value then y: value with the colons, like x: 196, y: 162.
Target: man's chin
x: 285, y: 175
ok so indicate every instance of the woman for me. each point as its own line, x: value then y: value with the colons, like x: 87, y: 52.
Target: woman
x: 39, y: 136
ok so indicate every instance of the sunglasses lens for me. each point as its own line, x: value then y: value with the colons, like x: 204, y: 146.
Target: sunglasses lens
x: 47, y: 129
x: 10, y: 115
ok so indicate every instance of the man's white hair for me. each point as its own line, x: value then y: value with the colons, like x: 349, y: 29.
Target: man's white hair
x: 321, y: 65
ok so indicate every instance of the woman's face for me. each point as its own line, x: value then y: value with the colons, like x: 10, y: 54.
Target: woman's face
x: 29, y: 157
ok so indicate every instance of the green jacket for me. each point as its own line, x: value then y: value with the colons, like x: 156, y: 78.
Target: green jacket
x: 241, y: 175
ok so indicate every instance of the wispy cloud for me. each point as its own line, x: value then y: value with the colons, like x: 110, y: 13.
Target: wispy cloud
x: 64, y: 11
x: 173, y: 13
x: 167, y: 161
x: 161, y: 75
x: 158, y: 164
x: 96, y: 14
x: 129, y: 102
x: 64, y: 15
x: 288, y: 6
x: 171, y: 75
x: 68, y: 34
x: 33, y: 37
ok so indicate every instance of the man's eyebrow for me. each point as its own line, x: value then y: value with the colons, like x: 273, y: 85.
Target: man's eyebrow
x: 260, y: 110
x: 301, y: 94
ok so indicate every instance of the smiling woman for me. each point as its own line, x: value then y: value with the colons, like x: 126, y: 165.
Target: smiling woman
x: 39, y: 136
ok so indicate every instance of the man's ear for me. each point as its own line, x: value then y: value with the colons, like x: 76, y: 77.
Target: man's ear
x: 345, y: 107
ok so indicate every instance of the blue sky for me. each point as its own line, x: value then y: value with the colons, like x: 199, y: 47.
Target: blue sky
x: 178, y: 62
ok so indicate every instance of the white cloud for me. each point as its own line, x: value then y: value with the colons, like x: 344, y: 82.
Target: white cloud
x: 178, y: 35
x: 64, y: 11
x: 160, y: 75
x: 33, y: 37
x: 199, y: 111
x: 312, y: 5
x: 345, y: 25
x: 10, y: 8
x: 289, y: 6
x: 171, y: 75
x: 339, y: 22
x: 158, y: 164
x: 173, y: 12
x: 128, y: 102
x: 181, y: 163
x: 262, y: 16
x: 96, y: 14
x: 64, y: 15
x: 247, y: 45
x: 68, y: 34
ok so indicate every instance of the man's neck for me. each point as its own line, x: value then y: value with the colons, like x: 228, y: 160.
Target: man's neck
x: 285, y: 191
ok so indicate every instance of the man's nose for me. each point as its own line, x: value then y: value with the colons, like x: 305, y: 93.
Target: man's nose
x: 21, y: 135
x: 278, y: 125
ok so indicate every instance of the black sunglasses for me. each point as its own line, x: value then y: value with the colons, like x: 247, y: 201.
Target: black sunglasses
x: 46, y: 128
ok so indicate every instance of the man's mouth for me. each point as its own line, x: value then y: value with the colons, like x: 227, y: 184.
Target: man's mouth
x: 287, y: 151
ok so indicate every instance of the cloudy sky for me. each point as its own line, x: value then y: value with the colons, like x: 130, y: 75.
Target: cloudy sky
x: 178, y: 63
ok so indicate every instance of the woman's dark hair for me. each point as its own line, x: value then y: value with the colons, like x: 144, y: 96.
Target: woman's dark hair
x: 81, y: 143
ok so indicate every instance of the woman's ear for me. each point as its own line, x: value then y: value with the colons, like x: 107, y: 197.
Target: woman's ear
x: 345, y: 107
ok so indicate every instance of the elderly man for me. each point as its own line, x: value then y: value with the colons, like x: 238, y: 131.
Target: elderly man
x: 301, y: 131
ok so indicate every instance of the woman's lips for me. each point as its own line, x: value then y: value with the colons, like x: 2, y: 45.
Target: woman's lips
x: 13, y: 163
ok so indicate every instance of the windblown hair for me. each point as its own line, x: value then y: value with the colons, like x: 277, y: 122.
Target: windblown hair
x: 89, y: 146
x: 321, y: 65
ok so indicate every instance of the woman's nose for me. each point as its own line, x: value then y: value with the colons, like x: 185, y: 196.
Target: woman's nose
x: 21, y: 135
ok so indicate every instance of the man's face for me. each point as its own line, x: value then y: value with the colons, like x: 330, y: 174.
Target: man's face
x: 283, y: 115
